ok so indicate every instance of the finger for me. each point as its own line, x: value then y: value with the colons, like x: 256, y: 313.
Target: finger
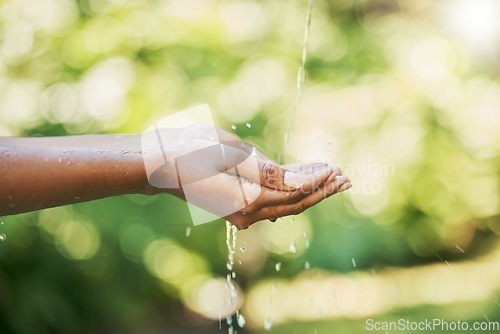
x: 274, y: 176
x: 317, y: 179
x: 311, y: 168
x: 265, y: 172
x: 270, y: 197
x: 305, y: 169
x: 246, y: 217
x: 340, y: 184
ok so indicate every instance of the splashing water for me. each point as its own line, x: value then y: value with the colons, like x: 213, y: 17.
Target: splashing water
x: 268, y: 324
x: 278, y: 266
x: 293, y: 246
x: 231, y: 233
x: 3, y: 237
x: 240, y: 319
x: 301, y: 74
x: 231, y: 237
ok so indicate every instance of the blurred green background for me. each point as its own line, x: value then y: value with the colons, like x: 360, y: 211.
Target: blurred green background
x: 403, y: 94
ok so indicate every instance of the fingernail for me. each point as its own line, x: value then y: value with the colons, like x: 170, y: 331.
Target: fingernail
x: 293, y: 180
x: 345, y: 186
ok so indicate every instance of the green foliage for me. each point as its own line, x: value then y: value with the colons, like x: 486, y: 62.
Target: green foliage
x: 386, y: 88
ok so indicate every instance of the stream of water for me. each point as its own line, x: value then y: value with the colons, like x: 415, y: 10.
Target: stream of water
x: 301, y: 77
x: 231, y: 230
x: 231, y: 238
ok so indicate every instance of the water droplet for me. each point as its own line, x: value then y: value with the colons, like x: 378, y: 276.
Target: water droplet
x: 293, y: 247
x: 241, y: 320
x: 233, y: 274
x: 3, y: 237
x: 232, y: 286
x: 231, y: 234
x: 248, y: 125
x: 353, y: 262
x: 188, y: 231
x: 1, y: 223
x: 460, y: 249
x: 278, y: 266
x: 100, y: 151
x: 254, y: 152
x: 268, y: 324
x: 307, y: 265
x: 307, y: 243
x: 125, y: 151
x: 229, y: 320
x: 243, y: 249
x: 233, y: 126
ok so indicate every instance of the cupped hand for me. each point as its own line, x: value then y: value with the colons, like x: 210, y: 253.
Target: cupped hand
x: 229, y: 178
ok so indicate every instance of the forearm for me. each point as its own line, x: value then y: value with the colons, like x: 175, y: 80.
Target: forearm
x: 59, y: 171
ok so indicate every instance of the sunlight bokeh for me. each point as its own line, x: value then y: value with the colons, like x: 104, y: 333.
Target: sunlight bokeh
x: 403, y: 95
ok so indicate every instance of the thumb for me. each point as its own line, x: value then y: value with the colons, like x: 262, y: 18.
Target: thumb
x: 265, y: 172
x: 274, y: 176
